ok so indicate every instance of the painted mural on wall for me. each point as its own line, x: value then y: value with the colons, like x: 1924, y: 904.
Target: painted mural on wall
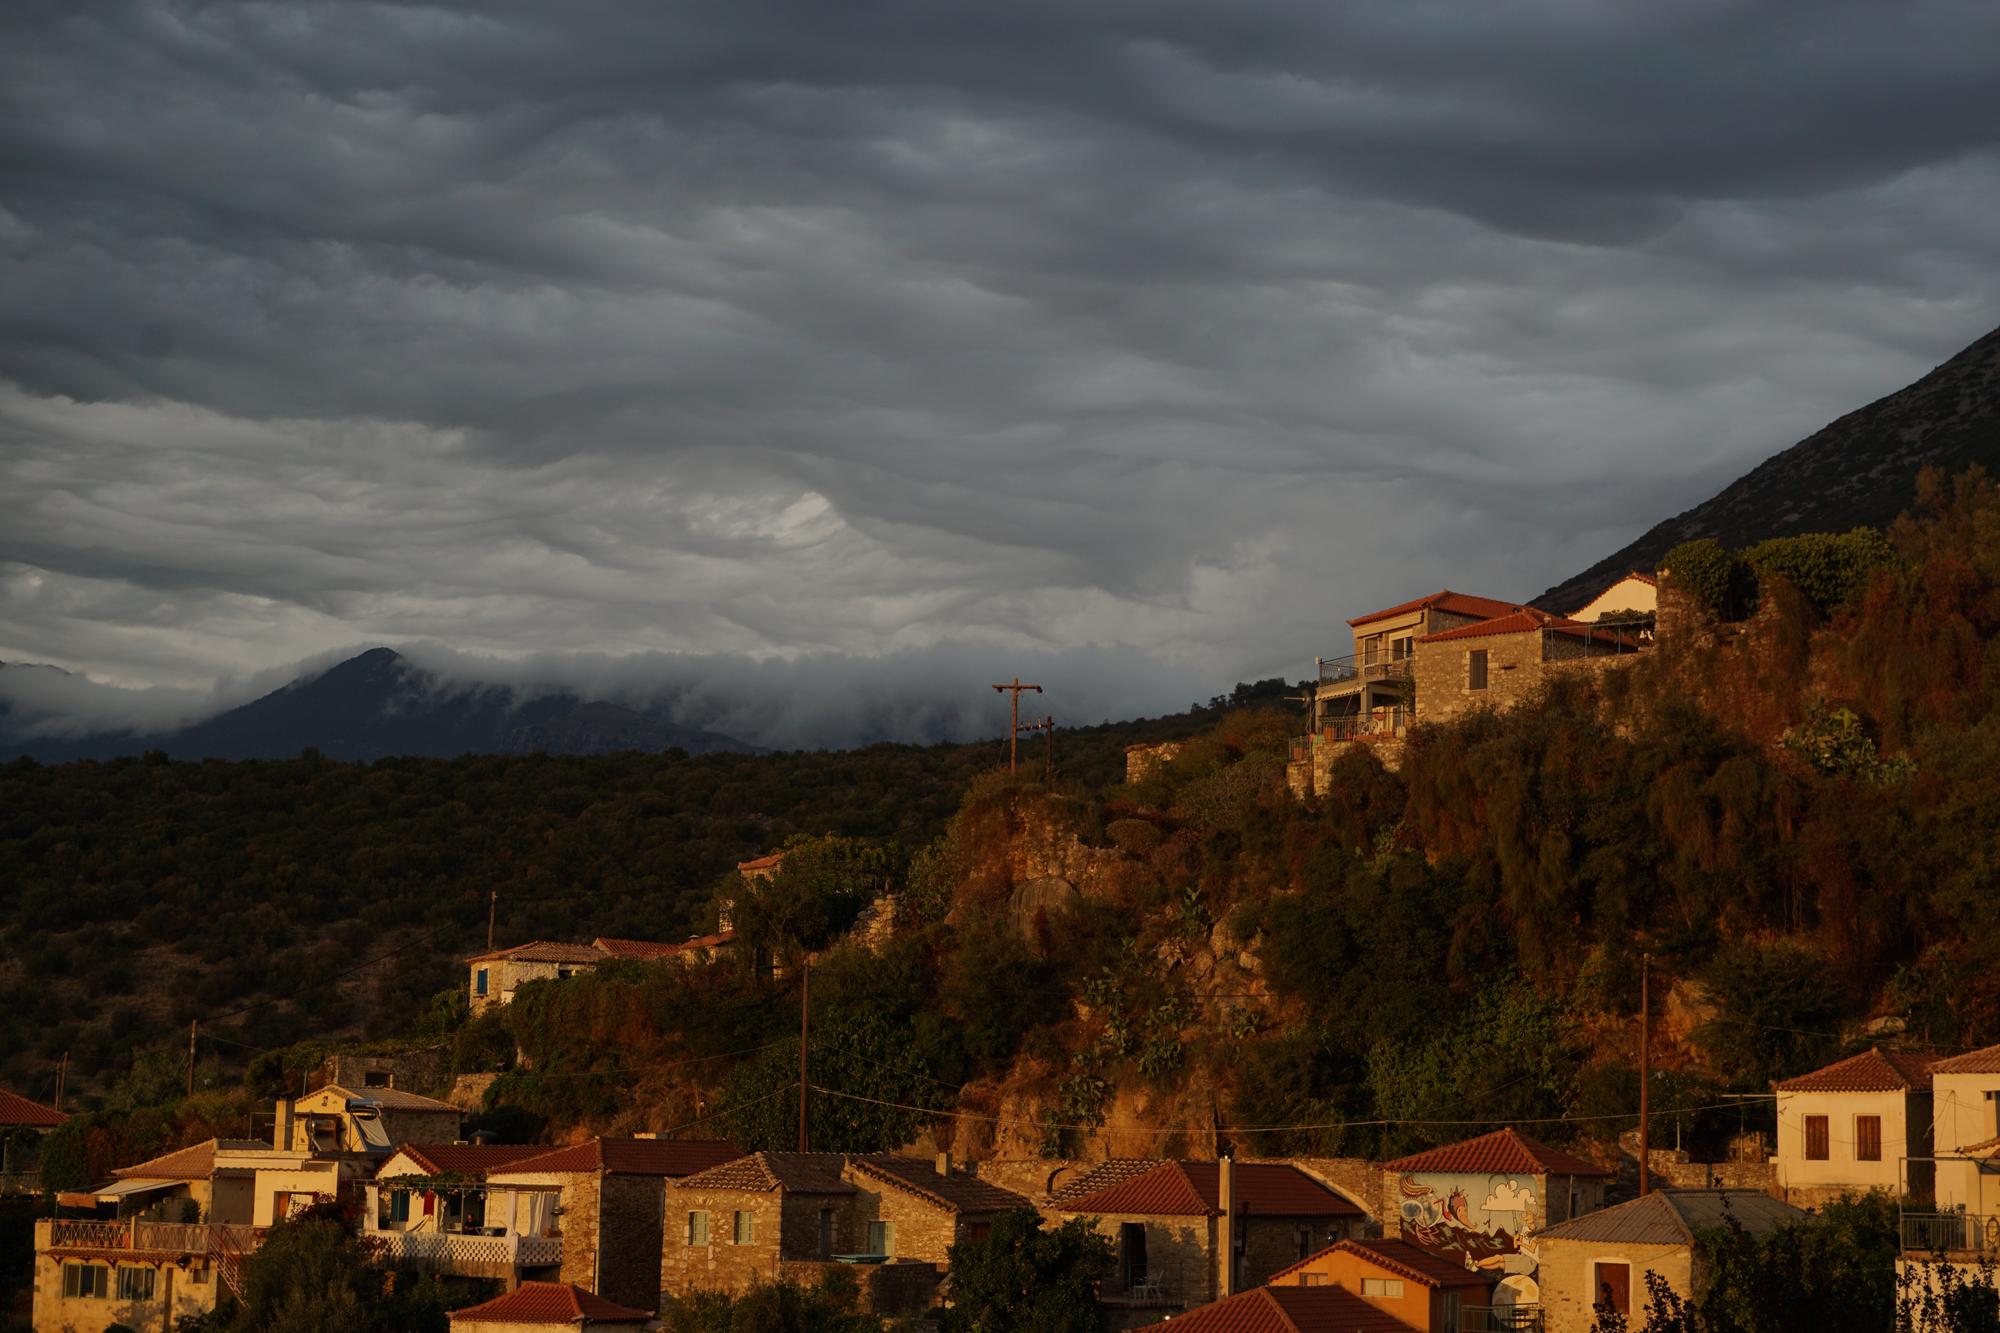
x: 1478, y: 1220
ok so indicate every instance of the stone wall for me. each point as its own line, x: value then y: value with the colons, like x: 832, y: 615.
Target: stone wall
x: 426, y: 1072
x: 876, y: 926
x: 1180, y: 1250
x: 923, y: 1231
x: 1566, y: 1276
x: 629, y: 1240
x: 1272, y: 1243
x: 1356, y: 1179
x: 785, y: 1230
x: 186, y: 1295
x: 1513, y: 672
x: 1142, y: 761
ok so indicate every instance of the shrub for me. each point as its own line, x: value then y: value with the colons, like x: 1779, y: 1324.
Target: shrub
x: 1712, y: 575
x: 1829, y: 568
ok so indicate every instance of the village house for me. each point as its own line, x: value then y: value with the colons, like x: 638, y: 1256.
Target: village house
x: 1190, y: 1232
x: 742, y: 1222
x: 1633, y: 594
x: 22, y: 1124
x: 917, y: 1209
x: 1290, y: 1310
x: 1600, y: 1260
x: 336, y: 1119
x: 536, y: 1307
x: 1859, y: 1124
x: 1478, y: 1202
x: 430, y: 1208
x: 497, y: 974
x: 1428, y: 1294
x: 608, y: 1198
x: 1962, y: 1224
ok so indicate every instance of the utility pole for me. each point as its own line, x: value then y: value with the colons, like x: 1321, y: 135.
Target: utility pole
x: 193, y: 1023
x: 1645, y: 1071
x: 492, y: 906
x: 1047, y: 726
x: 62, y: 1073
x: 1014, y: 719
x: 805, y: 1034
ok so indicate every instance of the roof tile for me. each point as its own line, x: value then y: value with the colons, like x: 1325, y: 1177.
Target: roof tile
x: 647, y: 951
x: 1453, y: 603
x: 1514, y: 622
x: 957, y: 1192
x: 16, y: 1110
x: 1290, y: 1310
x: 549, y: 1303
x: 1400, y: 1257
x: 630, y: 1157
x: 541, y: 951
x: 797, y: 1172
x: 1110, y: 1171
x: 1672, y: 1217
x: 394, y: 1099
x: 1504, y: 1151
x: 196, y: 1162
x: 1983, y: 1061
x: 463, y: 1159
x: 1874, y: 1070
x: 1193, y: 1189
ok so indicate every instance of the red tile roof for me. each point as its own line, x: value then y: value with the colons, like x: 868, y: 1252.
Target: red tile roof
x: 646, y: 951
x: 1514, y: 622
x: 550, y: 1303
x: 192, y: 1163
x: 465, y: 1159
x: 1874, y: 1070
x: 1290, y: 1310
x: 541, y: 951
x: 1110, y: 1171
x: 1503, y: 1152
x: 16, y: 1110
x: 1453, y: 603
x: 798, y: 1172
x: 393, y: 1099
x: 958, y: 1193
x: 1192, y: 1189
x: 1400, y: 1257
x: 771, y: 862
x: 629, y: 1157
x: 1983, y: 1061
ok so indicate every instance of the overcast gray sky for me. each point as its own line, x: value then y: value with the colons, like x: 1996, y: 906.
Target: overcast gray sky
x: 1150, y: 330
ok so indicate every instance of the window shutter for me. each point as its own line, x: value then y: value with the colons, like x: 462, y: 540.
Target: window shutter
x: 1868, y: 1138
x: 1816, y: 1138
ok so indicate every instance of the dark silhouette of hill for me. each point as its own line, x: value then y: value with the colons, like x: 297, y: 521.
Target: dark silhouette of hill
x: 1860, y: 470
x: 378, y: 704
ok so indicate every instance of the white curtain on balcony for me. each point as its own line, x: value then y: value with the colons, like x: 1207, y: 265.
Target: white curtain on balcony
x: 534, y: 1211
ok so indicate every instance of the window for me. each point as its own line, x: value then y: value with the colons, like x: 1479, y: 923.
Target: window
x: 881, y: 1238
x: 86, y: 1282
x: 377, y: 1078
x: 1312, y: 1279
x: 1451, y: 1306
x: 698, y: 1228
x: 135, y: 1284
x: 1614, y: 1288
x: 975, y: 1232
x: 1304, y: 1238
x: 395, y: 1207
x: 746, y: 1228
x: 1816, y: 1138
x: 479, y: 982
x: 1868, y: 1138
x: 1389, y: 1288
x: 1131, y: 1254
x: 1475, y: 669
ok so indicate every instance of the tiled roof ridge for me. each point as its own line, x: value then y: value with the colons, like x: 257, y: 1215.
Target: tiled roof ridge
x: 1871, y: 1070
x: 18, y: 1110
x: 1521, y: 1153
x: 1982, y: 1060
x: 574, y: 953
x: 549, y: 1303
x: 1486, y: 607
x: 399, y: 1099
x: 1513, y: 622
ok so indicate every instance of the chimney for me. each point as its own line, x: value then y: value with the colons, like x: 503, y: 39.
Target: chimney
x: 944, y: 1163
x: 1225, y: 1192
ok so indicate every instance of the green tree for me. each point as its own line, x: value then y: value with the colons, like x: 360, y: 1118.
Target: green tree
x: 1027, y: 1278
x: 313, y: 1273
x: 816, y: 896
x: 779, y: 1307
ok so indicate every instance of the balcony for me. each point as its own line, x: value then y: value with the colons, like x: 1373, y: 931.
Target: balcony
x: 1500, y: 1319
x: 1951, y: 1233
x: 465, y: 1254
x: 1363, y: 667
x: 136, y: 1237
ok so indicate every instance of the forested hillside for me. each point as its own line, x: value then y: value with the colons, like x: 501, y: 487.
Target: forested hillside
x: 1789, y: 804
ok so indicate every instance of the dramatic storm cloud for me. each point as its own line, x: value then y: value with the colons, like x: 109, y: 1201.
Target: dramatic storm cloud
x: 1162, y: 332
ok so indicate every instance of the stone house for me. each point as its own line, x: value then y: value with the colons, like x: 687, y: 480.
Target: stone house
x: 337, y: 1119
x: 1500, y: 662
x: 494, y: 976
x: 741, y: 1222
x: 913, y: 1208
x: 608, y: 1199
x: 430, y: 1208
x: 1290, y: 1310
x: 1425, y: 1292
x: 1479, y: 1202
x: 1189, y: 1232
x: 22, y: 1123
x: 536, y: 1307
x: 1600, y: 1260
x: 1858, y: 1124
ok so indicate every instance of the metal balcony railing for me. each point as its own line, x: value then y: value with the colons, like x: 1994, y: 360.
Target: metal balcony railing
x: 1947, y: 1233
x: 1363, y: 666
x: 1500, y: 1319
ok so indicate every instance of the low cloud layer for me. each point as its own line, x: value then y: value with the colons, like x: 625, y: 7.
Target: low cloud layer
x: 708, y: 334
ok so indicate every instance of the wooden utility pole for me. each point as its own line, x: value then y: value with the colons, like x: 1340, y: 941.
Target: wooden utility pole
x: 492, y: 907
x: 1645, y: 1072
x: 1014, y: 719
x: 805, y: 1035
x: 193, y: 1023
x: 62, y: 1073
x: 1047, y: 726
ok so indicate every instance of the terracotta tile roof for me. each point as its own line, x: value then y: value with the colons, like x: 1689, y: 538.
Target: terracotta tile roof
x: 1192, y: 1189
x: 1983, y: 1061
x: 393, y: 1099
x: 541, y: 951
x: 771, y: 862
x: 1672, y: 1217
x: 1984, y: 1148
x: 796, y: 1172
x: 1110, y: 1171
x: 16, y: 1110
x: 1400, y: 1257
x: 646, y: 951
x: 957, y: 1192
x: 1514, y: 622
x: 192, y: 1163
x: 630, y: 1157
x: 1503, y: 1152
x: 1453, y: 603
x: 1874, y: 1070
x: 1290, y: 1310
x: 461, y: 1159
x: 549, y: 1303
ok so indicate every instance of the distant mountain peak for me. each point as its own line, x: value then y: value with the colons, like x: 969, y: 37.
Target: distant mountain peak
x: 1860, y: 469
